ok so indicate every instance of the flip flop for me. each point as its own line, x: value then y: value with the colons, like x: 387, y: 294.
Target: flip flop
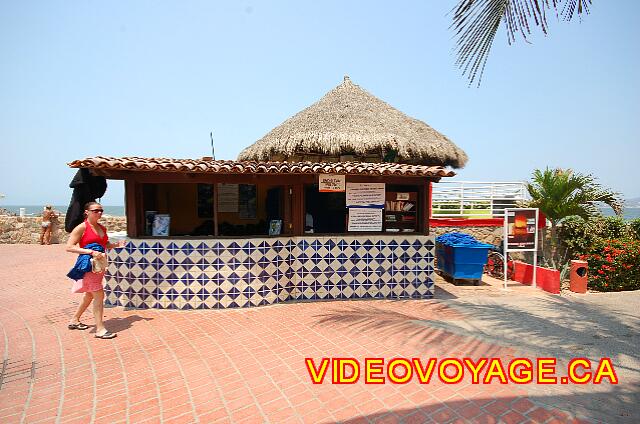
x: 106, y: 336
x: 78, y: 326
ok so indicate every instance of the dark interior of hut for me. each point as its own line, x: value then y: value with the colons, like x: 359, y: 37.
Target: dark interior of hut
x: 259, y: 210
x: 243, y: 209
x: 325, y: 213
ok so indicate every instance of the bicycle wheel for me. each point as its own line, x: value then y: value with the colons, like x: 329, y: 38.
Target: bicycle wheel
x: 495, y: 265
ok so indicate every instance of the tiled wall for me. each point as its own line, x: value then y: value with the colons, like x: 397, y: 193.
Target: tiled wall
x: 222, y: 273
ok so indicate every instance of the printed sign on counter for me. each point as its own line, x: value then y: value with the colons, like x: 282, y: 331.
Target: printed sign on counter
x: 365, y: 195
x: 365, y: 219
x: 330, y: 183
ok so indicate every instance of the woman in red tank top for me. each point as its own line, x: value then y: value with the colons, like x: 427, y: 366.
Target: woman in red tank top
x: 90, y: 231
x: 90, y: 236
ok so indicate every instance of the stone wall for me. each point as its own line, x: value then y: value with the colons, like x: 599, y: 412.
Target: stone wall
x: 26, y: 230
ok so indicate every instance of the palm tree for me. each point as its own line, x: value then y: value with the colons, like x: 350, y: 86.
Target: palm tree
x: 475, y: 23
x: 560, y: 193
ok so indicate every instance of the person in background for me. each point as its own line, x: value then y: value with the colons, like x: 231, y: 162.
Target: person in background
x: 308, y: 223
x: 48, y: 215
x: 86, y: 233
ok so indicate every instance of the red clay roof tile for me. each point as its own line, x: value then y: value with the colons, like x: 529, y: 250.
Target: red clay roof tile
x: 251, y: 167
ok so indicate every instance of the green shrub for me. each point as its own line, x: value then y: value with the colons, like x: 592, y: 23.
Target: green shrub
x: 634, y: 228
x: 447, y: 206
x: 614, y: 265
x: 579, y: 236
x: 610, y: 227
x: 576, y: 235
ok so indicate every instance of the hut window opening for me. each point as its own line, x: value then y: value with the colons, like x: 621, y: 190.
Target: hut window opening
x: 325, y: 213
x: 242, y: 209
x: 250, y: 210
x: 402, y: 209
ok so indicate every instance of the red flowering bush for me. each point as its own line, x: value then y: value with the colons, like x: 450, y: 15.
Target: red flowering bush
x: 614, y: 265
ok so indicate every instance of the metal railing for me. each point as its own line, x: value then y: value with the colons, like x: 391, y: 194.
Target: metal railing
x: 473, y: 199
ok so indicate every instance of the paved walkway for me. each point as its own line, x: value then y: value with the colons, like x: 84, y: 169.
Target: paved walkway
x: 248, y: 365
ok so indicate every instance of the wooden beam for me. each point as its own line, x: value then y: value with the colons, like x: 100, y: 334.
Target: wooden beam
x: 287, y: 210
x: 110, y: 174
x: 215, y: 210
x: 427, y: 206
x: 387, y: 179
x: 132, y: 205
x: 160, y: 178
x: 269, y: 179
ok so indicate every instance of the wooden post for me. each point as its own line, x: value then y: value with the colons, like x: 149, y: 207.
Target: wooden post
x: 132, y: 207
x: 215, y: 209
x: 298, y: 210
x: 287, y: 210
x: 428, y: 204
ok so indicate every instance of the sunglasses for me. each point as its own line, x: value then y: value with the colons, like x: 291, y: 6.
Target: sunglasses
x: 96, y: 210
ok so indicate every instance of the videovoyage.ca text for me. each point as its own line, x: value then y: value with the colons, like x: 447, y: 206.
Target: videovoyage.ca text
x: 453, y: 370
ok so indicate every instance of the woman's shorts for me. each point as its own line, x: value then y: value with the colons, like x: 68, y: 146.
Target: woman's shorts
x: 92, y: 282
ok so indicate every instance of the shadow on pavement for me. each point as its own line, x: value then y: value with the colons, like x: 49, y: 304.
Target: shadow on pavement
x: 549, y: 326
x: 443, y: 294
x: 552, y: 326
x: 385, y: 323
x: 119, y: 324
x: 614, y: 406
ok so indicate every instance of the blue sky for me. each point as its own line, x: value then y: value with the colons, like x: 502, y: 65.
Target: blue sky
x: 153, y: 78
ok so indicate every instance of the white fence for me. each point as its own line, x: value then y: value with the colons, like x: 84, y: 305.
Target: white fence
x: 471, y: 199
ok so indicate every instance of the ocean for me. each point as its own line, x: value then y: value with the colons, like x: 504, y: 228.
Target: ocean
x: 31, y: 210
x: 629, y: 213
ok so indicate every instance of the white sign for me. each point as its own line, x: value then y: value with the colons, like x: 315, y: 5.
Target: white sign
x: 369, y: 195
x: 365, y: 219
x: 228, y: 198
x: 521, y: 235
x: 331, y: 183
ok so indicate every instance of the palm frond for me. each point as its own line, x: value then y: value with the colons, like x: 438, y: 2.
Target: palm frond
x: 573, y: 7
x: 560, y: 193
x: 475, y: 23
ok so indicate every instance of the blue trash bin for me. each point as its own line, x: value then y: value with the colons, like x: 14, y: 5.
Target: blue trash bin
x: 462, y: 261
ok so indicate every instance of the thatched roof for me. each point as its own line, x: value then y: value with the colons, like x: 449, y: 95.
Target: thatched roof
x: 350, y: 121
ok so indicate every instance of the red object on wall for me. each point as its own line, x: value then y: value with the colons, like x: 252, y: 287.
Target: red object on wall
x: 548, y: 279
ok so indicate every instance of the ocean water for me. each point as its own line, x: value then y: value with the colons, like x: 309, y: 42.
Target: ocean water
x: 629, y: 213
x: 31, y: 210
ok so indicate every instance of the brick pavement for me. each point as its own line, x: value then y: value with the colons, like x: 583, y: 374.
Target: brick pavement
x: 242, y: 366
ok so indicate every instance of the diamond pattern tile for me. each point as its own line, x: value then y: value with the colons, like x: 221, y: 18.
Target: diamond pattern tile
x: 236, y: 274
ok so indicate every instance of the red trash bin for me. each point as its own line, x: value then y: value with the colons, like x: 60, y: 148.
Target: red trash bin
x: 578, y: 277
